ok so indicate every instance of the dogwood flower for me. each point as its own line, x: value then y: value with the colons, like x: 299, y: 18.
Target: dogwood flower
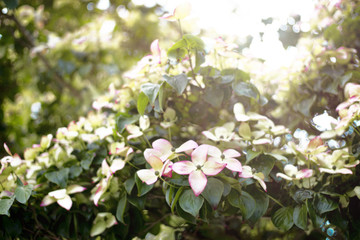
x: 198, y: 168
x: 241, y: 116
x: 292, y: 173
x: 61, y: 196
x: 137, y: 131
x: 247, y: 172
x: 224, y: 133
x: 163, y: 149
x: 337, y: 162
x: 228, y: 157
x: 150, y: 176
x: 180, y: 12
x: 256, y: 137
x: 13, y: 160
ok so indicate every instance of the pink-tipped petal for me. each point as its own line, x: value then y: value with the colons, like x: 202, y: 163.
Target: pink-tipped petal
x: 315, y: 142
x: 262, y: 183
x: 261, y: 141
x: 47, y: 200
x: 74, y: 189
x: 183, y: 167
x: 233, y: 164
x: 155, y: 162
x: 198, y: 181
x: 164, y: 146
x: 212, y: 168
x: 7, y: 149
x: 214, y: 152
x: 231, y: 153
x: 344, y: 171
x: 65, y: 202
x: 155, y: 49
x: 209, y: 135
x: 246, y: 172
x: 151, y: 151
x: 147, y: 175
x: 189, y: 145
x: 167, y: 169
x: 198, y: 156
x: 117, y: 164
x: 304, y: 173
x: 284, y: 176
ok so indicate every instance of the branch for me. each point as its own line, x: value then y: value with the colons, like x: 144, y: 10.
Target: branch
x: 30, y: 44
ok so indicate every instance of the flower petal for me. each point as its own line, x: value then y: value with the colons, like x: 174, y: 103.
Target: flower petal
x: 74, y: 189
x: 197, y: 181
x: 7, y: 149
x: 151, y: 151
x: 47, y: 200
x: 155, y: 162
x: 214, y: 151
x: 155, y: 48
x: 246, y: 172
x: 304, y: 173
x: 167, y: 169
x: 209, y: 135
x: 164, y: 146
x: 147, y: 175
x: 281, y: 175
x: 212, y: 168
x: 184, y: 167
x: 186, y: 146
x: 65, y: 202
x: 198, y: 156
x: 260, y: 180
x: 117, y: 164
x: 233, y: 164
x: 231, y: 153
x: 58, y: 194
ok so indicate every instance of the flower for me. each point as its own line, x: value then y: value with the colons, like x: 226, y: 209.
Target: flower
x: 228, y: 157
x: 241, y: 116
x: 198, y: 168
x: 247, y: 172
x: 292, y: 173
x: 163, y: 149
x: 61, y: 196
x: 135, y: 131
x: 224, y: 133
x: 337, y: 162
x: 256, y: 137
x: 150, y: 176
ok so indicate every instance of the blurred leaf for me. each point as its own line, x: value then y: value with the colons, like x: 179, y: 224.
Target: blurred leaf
x: 316, y: 220
x: 123, y: 119
x: 151, y: 90
x: 264, y: 163
x: 190, y: 203
x: 143, y: 188
x: 283, y: 218
x: 129, y: 185
x: 5, y: 205
x: 59, y: 177
x: 213, y: 192
x: 11, y: 4
x: 120, y: 210
x: 300, y: 216
x: 323, y: 204
x: 214, y: 96
x: 142, y: 103
x: 246, y: 89
x: 178, y: 82
x: 261, y: 202
x: 23, y: 193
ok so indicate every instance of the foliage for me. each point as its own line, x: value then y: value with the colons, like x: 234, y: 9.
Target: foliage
x: 186, y: 149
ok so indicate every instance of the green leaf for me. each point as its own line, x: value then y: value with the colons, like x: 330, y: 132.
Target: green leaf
x: 142, y: 103
x: 301, y: 195
x: 5, y: 205
x: 162, y: 97
x: 305, y: 105
x: 300, y: 216
x: 151, y: 90
x: 323, y: 204
x: 98, y: 228
x: 178, y: 50
x: 250, y: 155
x: 261, y: 202
x: 59, y: 177
x: 178, y: 82
x: 11, y: 4
x: 190, y: 203
x: 23, y: 193
x: 121, y: 207
x: 264, y: 163
x: 123, y: 119
x: 87, y: 159
x: 244, y: 201
x: 193, y: 42
x: 214, y: 96
x: 129, y: 185
x: 283, y: 218
x: 315, y: 219
x: 213, y: 192
x: 176, y: 198
x: 143, y: 188
x: 344, y: 79
x: 19, y: 182
x: 75, y: 171
x: 246, y: 89
x: 138, y: 202
x: 199, y: 58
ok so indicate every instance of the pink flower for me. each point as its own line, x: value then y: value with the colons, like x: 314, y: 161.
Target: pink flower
x: 163, y: 149
x: 198, y: 168
x: 150, y: 176
x: 292, y: 173
x: 180, y: 12
x: 228, y: 157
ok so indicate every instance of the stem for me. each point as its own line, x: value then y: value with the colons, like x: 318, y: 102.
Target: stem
x: 169, y: 133
x: 171, y: 185
x: 133, y: 165
x: 276, y: 201
x: 192, y: 69
x: 147, y: 141
x: 154, y: 223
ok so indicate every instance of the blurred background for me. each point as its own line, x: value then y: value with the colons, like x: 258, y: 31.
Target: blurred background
x: 58, y: 56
